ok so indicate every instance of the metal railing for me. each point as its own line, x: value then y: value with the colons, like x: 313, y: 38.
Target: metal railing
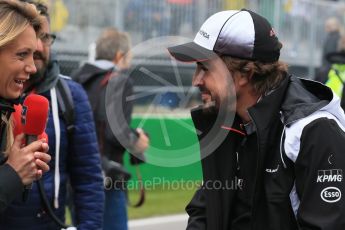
x: 298, y: 23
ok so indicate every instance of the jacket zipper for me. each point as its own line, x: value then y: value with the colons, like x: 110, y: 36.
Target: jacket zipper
x: 257, y: 164
x: 257, y: 168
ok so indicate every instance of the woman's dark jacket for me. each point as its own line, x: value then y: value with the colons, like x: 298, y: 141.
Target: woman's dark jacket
x: 10, y: 183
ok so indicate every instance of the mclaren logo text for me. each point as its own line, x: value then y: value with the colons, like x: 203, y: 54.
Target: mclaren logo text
x: 331, y: 194
x: 273, y: 170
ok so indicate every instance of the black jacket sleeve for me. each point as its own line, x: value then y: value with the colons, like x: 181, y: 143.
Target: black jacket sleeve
x: 120, y: 103
x: 196, y: 210
x: 319, y: 170
x: 10, y: 186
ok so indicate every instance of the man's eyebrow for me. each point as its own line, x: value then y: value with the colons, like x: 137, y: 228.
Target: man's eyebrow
x: 201, y: 64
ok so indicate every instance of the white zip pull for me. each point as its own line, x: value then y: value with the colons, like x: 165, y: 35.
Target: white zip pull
x: 280, y: 147
x: 238, y: 162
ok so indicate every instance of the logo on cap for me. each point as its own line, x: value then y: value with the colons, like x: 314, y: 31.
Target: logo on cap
x: 204, y: 34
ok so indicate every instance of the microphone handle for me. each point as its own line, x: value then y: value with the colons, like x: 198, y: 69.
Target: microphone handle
x: 28, y: 140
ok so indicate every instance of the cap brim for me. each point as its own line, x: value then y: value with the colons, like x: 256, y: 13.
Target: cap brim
x: 336, y: 57
x: 191, y: 52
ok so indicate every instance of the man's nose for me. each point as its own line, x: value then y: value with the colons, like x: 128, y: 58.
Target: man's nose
x: 39, y: 45
x: 30, y: 67
x: 197, y: 79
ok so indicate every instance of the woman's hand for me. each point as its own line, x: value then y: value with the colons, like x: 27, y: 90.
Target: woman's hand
x: 30, y: 161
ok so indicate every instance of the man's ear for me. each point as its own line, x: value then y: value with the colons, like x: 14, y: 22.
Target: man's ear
x: 118, y: 56
x: 245, y: 78
x: 250, y: 75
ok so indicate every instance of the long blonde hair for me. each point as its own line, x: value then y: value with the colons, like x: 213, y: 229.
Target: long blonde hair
x: 9, y: 132
x: 15, y: 17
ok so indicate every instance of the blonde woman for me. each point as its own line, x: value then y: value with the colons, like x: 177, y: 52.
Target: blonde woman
x: 19, y: 165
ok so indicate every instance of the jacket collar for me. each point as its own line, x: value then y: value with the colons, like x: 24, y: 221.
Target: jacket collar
x: 265, y: 111
x: 90, y: 71
x: 8, y: 105
x: 51, y: 76
x: 294, y: 99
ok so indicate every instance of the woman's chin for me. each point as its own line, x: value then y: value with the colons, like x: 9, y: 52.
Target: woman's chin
x: 12, y: 95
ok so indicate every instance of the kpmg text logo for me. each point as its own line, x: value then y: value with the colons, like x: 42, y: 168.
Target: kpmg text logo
x: 331, y: 175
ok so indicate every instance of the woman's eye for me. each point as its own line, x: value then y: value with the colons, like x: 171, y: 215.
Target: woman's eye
x: 22, y: 54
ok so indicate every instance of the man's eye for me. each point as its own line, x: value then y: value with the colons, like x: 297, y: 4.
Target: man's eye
x: 45, y: 37
x: 204, y: 68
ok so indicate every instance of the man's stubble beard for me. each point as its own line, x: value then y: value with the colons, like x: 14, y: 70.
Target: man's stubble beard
x: 36, y: 78
x: 228, y: 105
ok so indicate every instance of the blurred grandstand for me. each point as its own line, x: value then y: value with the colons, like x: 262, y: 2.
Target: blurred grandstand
x: 77, y: 23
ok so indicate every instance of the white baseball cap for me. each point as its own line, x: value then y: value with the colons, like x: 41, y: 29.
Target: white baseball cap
x: 237, y: 33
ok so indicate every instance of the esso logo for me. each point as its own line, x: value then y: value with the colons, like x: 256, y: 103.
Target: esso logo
x: 331, y: 194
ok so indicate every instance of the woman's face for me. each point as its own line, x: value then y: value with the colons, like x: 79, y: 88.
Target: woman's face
x: 16, y: 63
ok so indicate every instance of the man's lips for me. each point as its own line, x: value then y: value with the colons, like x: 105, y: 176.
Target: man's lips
x: 205, y: 93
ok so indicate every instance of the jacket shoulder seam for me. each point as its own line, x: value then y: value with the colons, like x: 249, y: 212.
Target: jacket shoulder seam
x: 292, y: 142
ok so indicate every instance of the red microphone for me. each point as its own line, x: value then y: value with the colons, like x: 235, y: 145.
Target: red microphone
x: 17, y: 123
x: 18, y: 128
x: 33, y: 119
x: 34, y: 116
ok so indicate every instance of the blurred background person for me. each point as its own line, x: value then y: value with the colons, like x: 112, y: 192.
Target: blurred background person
x: 20, y: 165
x: 113, y: 59
x: 336, y: 75
x: 181, y: 15
x: 333, y: 30
x: 74, y: 151
x: 151, y: 17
